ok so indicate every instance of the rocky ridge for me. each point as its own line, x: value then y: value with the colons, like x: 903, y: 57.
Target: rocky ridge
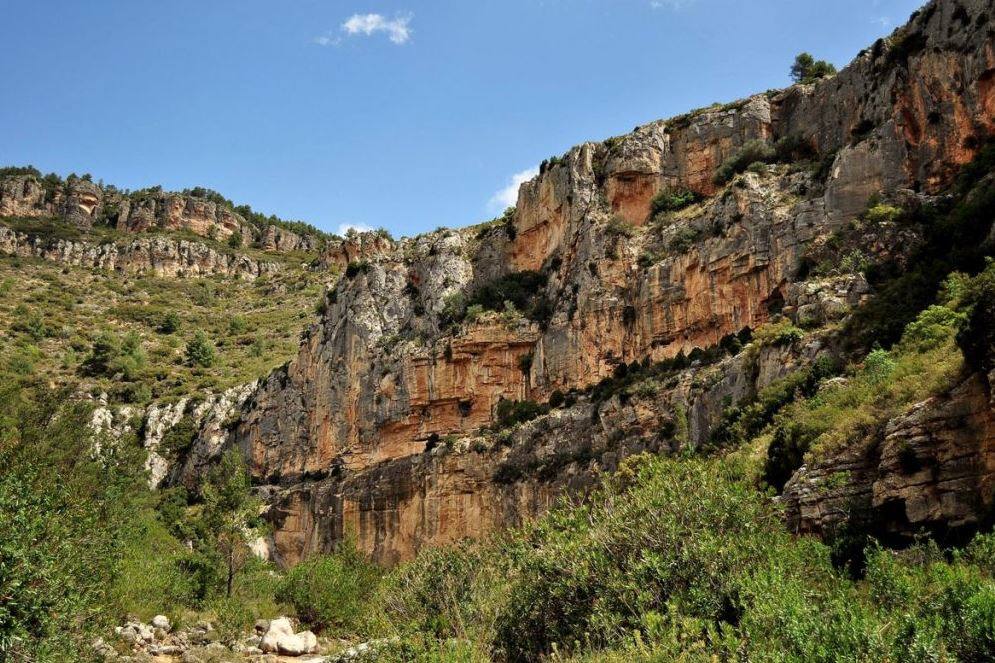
x: 86, y: 204
x: 161, y: 256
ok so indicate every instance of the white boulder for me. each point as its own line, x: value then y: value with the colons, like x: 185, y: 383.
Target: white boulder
x: 277, y: 629
x: 302, y: 643
x: 281, y: 639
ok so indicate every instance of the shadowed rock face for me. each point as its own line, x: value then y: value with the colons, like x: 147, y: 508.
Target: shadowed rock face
x: 932, y: 469
x: 353, y: 432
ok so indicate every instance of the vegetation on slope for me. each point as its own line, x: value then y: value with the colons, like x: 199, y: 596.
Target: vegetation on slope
x: 143, y: 337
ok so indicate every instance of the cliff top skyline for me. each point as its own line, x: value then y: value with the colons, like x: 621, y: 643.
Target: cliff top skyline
x: 315, y: 110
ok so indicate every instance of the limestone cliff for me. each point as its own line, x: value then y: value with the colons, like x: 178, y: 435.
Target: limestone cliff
x: 348, y: 434
x: 85, y: 204
x: 162, y: 256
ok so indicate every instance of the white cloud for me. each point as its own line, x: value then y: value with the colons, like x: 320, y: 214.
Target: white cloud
x: 883, y: 21
x: 508, y: 196
x: 670, y: 4
x: 358, y: 227
x: 398, y: 29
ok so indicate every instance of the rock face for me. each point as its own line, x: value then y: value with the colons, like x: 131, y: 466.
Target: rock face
x: 469, y: 486
x: 353, y: 248
x: 361, y: 431
x: 203, y: 424
x: 933, y: 468
x: 161, y: 256
x: 85, y: 204
x: 275, y: 238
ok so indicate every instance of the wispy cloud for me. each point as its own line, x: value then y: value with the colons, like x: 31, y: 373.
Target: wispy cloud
x: 670, y: 4
x: 883, y: 21
x: 397, y: 29
x: 508, y: 196
x: 344, y: 228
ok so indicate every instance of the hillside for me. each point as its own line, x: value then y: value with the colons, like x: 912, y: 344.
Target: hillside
x: 719, y: 388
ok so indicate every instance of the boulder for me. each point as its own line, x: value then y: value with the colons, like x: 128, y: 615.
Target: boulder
x: 161, y: 621
x: 277, y: 628
x: 302, y: 643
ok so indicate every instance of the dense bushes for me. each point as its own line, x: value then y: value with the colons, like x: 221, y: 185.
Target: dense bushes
x: 685, y: 560
x: 926, y: 362
x: 752, y: 152
x: 672, y: 200
x: 519, y: 291
x: 330, y: 591
x: 112, y: 356
x: 63, y: 510
x: 955, y: 238
x: 509, y: 413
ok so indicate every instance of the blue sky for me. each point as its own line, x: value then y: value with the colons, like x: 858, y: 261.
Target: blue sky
x: 403, y: 114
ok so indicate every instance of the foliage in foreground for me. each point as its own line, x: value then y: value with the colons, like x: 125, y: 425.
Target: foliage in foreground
x: 84, y: 544
x: 61, y: 528
x: 684, y: 560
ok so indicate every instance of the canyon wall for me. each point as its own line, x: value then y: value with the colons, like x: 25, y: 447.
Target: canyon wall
x: 376, y: 425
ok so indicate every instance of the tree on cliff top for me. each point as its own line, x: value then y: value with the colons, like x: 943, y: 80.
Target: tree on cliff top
x: 807, y: 69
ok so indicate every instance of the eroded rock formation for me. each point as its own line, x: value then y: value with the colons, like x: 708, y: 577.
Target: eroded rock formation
x: 932, y: 469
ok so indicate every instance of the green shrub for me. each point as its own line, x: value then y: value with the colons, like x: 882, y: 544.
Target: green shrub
x: 200, y: 352
x: 618, y: 227
x: 63, y: 511
x: 672, y: 200
x: 170, y: 323
x: 329, y: 592
x: 524, y: 291
x: 112, y: 355
x: 355, y: 268
x: 754, y: 151
x: 237, y: 325
x: 932, y: 328
x: 510, y: 413
x: 882, y: 213
x: 684, y: 238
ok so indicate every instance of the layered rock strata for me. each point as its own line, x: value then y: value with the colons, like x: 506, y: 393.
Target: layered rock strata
x: 162, y: 256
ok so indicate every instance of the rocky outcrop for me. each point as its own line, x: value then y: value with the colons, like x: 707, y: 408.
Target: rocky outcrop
x: 85, y: 205
x: 348, y: 434
x: 162, y: 256
x: 932, y: 469
x: 171, y: 211
x: 922, y: 100
x: 355, y: 247
x: 281, y: 240
x: 200, y: 424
